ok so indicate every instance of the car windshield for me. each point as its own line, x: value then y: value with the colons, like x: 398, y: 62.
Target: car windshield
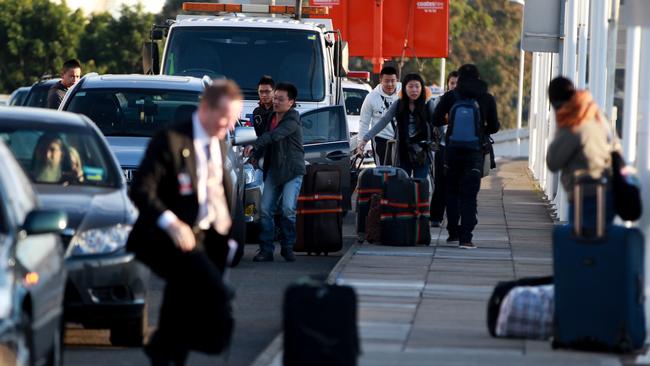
x: 133, y: 112
x: 354, y: 100
x: 61, y: 155
x: 245, y: 54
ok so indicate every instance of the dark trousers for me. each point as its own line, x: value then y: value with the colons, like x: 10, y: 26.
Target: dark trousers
x: 379, y: 144
x: 439, y: 199
x: 463, y: 174
x: 194, y: 301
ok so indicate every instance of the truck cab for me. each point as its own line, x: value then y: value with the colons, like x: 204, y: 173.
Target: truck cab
x: 244, y: 42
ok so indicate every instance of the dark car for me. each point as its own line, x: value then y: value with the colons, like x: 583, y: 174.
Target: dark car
x: 18, y: 96
x: 129, y: 109
x: 32, y: 274
x: 37, y: 96
x: 72, y: 168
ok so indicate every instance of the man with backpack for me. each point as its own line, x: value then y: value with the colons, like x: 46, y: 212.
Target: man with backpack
x: 470, y: 113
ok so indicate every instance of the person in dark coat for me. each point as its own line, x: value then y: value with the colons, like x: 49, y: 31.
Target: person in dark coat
x: 261, y: 113
x: 284, y: 168
x: 70, y: 74
x: 464, y: 166
x: 182, y: 232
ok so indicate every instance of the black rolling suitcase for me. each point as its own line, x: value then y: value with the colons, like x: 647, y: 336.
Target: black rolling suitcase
x: 320, y: 325
x: 422, y: 206
x: 398, y: 221
x: 599, y: 283
x: 371, y: 181
x: 319, y: 221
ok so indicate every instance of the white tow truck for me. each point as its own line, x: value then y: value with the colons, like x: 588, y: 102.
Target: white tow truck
x: 242, y: 42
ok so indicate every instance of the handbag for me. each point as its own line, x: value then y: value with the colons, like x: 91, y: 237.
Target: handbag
x: 626, y: 189
x: 488, y: 157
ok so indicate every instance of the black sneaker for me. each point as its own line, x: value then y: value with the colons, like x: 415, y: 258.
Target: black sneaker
x: 263, y: 256
x: 287, y: 254
x: 435, y: 223
x: 468, y: 245
x: 453, y: 239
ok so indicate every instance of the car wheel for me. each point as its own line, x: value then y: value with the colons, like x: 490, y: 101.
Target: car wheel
x: 239, y: 233
x: 131, y: 332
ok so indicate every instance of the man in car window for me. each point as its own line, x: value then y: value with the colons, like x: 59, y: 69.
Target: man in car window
x: 184, y: 224
x: 284, y: 167
x: 70, y: 74
x: 260, y: 114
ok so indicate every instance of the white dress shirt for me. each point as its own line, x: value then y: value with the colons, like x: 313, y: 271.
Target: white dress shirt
x: 201, y: 140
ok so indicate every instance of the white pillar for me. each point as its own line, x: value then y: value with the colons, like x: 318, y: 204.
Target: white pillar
x: 598, y: 51
x: 583, y: 42
x: 643, y: 149
x: 571, y: 16
x: 630, y: 108
x: 533, y: 125
x: 612, y: 39
x: 520, y: 97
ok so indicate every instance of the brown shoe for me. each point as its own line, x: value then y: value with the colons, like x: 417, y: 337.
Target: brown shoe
x: 468, y: 245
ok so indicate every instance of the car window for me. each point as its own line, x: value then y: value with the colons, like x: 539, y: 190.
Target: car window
x: 132, y: 112
x: 354, y: 100
x: 38, y: 96
x: 324, y: 125
x: 56, y: 155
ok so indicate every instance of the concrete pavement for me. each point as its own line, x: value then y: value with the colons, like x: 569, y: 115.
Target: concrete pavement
x: 427, y: 305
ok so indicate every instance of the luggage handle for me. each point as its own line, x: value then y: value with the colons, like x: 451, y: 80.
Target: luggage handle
x: 581, y: 178
x: 385, y: 170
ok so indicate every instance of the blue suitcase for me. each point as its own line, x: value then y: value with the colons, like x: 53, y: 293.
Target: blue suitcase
x: 599, y: 284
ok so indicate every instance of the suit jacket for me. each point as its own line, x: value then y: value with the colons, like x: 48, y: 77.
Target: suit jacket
x: 160, y: 184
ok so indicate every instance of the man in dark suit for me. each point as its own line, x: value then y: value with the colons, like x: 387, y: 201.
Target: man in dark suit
x: 184, y: 224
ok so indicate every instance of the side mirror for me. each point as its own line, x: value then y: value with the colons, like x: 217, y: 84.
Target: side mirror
x: 157, y: 34
x: 44, y: 222
x: 151, y: 58
x: 244, y: 136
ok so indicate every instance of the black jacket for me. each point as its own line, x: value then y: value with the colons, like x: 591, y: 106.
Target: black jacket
x: 283, y: 150
x: 260, y: 119
x: 157, y: 187
x: 474, y: 89
x: 55, y: 95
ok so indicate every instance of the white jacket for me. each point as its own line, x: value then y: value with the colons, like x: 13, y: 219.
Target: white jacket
x: 374, y: 108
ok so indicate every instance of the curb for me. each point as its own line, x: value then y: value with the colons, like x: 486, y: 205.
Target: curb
x: 274, y: 348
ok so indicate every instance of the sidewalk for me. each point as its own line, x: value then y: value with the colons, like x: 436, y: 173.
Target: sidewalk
x: 427, y: 305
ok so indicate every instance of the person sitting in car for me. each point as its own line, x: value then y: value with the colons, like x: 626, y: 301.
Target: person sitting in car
x: 52, y: 161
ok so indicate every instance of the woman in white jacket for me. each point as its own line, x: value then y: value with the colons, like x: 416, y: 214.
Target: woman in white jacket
x: 375, y: 106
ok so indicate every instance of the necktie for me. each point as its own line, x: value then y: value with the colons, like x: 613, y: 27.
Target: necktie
x: 218, y: 213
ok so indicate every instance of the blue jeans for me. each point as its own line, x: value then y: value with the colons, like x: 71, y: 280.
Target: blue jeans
x: 270, y: 198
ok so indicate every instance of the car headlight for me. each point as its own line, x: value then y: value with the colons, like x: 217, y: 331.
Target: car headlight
x: 249, y: 173
x: 99, y: 241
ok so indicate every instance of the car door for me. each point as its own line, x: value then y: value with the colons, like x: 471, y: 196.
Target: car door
x: 326, y: 141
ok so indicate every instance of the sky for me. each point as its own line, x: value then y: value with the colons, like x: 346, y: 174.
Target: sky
x: 113, y: 6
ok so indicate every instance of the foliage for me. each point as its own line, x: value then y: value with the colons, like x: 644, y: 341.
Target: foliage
x: 34, y: 44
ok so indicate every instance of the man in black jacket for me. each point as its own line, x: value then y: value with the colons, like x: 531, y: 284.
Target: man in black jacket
x: 263, y: 110
x: 184, y: 224
x: 70, y: 74
x: 464, y: 160
x: 284, y: 168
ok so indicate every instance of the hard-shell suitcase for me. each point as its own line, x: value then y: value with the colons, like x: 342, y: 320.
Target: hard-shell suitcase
x: 319, y: 222
x: 599, y: 282
x: 422, y: 213
x: 371, y: 181
x: 320, y: 325
x: 398, y: 221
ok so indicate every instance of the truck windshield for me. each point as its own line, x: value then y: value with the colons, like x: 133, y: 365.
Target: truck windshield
x: 245, y: 54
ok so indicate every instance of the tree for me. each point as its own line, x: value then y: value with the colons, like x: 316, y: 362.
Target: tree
x: 37, y: 37
x: 114, y: 45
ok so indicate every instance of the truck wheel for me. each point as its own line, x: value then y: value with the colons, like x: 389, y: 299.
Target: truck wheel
x: 130, y: 333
